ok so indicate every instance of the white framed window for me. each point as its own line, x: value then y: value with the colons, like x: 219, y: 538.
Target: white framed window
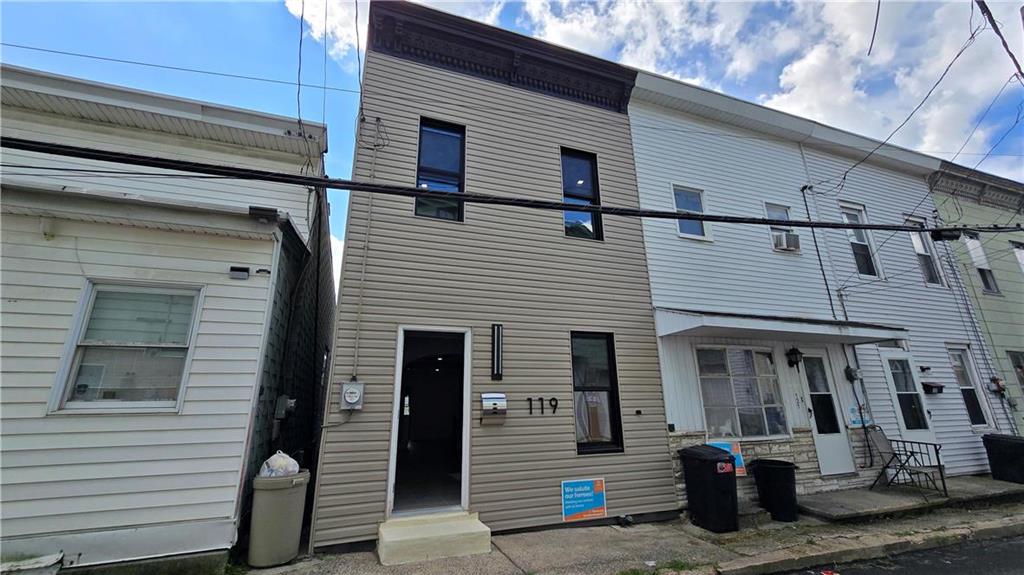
x: 740, y: 393
x: 784, y: 238
x: 966, y: 380
x: 861, y: 244
x: 691, y: 201
x: 130, y: 348
x: 925, y: 250
x: 977, y: 252
x: 1018, y: 250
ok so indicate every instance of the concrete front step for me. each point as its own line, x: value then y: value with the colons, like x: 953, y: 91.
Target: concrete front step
x: 431, y: 536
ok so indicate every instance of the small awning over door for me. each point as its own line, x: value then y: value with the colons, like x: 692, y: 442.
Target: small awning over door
x: 721, y: 324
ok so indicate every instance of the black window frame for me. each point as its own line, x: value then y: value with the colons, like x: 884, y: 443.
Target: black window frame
x: 595, y: 201
x: 420, y: 169
x: 616, y: 445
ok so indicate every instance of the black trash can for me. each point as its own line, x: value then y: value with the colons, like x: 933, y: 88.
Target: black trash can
x: 776, y: 487
x: 1005, y: 456
x: 710, y: 476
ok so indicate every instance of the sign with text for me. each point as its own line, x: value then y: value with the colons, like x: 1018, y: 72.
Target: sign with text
x: 583, y: 499
x: 732, y: 447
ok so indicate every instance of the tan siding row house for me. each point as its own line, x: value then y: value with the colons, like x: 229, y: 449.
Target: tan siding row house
x: 421, y: 280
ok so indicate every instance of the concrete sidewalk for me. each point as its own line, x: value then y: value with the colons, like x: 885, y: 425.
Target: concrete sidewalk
x: 679, y: 547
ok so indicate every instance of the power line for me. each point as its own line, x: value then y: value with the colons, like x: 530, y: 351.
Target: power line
x: 326, y: 87
x: 175, y: 68
x: 842, y: 179
x: 995, y: 28
x: 477, y: 198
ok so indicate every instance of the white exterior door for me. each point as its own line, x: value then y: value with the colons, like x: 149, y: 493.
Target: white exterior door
x: 826, y: 414
x: 908, y: 398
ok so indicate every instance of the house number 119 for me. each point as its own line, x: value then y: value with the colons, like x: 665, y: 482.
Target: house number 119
x: 553, y: 402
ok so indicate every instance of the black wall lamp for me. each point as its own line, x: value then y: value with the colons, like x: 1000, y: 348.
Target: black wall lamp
x: 794, y: 356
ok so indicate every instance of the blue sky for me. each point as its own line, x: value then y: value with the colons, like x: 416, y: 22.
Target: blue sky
x: 808, y: 58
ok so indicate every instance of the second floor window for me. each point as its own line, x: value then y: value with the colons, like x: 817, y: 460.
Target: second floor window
x: 925, y: 254
x: 691, y: 201
x: 860, y: 241
x: 783, y: 237
x: 579, y: 186
x: 440, y: 167
x: 977, y: 252
x: 1018, y: 251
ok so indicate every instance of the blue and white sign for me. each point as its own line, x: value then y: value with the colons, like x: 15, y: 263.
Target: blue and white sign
x: 583, y: 499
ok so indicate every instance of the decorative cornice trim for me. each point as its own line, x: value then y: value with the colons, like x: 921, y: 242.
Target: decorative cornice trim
x: 413, y: 32
x: 978, y: 187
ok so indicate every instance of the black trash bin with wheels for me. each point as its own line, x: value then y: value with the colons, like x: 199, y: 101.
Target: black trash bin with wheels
x: 710, y: 476
x: 776, y: 487
x: 1005, y: 456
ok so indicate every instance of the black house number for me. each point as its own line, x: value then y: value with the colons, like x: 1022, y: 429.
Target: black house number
x: 553, y: 402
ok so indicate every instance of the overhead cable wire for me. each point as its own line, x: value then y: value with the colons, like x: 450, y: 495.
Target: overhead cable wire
x: 995, y: 28
x: 473, y: 198
x: 524, y: 113
x: 842, y: 179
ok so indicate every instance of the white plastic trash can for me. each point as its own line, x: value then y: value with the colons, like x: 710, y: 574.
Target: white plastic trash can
x: 277, y: 507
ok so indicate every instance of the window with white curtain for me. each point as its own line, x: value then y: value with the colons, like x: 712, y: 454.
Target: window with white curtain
x: 595, y: 393
x: 132, y: 347
x: 740, y: 392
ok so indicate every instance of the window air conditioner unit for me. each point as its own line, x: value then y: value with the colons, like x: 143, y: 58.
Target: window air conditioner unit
x: 786, y: 241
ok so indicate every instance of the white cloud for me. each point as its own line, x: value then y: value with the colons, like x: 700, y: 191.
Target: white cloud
x: 820, y: 48
x: 337, y: 250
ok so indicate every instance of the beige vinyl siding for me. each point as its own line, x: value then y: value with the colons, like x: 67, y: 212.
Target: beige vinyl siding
x: 38, y: 126
x: 501, y: 265
x: 65, y: 472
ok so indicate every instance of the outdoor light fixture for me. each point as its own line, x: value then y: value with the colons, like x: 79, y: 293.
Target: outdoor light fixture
x: 497, y: 337
x: 794, y: 356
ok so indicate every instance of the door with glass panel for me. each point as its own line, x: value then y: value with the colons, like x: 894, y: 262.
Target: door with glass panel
x: 827, y: 423
x: 913, y: 416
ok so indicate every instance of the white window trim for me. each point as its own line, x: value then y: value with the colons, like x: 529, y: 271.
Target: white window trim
x: 885, y: 356
x: 58, y: 405
x: 782, y: 394
x: 1018, y: 252
x: 930, y: 246
x: 872, y: 247
x: 976, y: 382
x: 703, y: 206
x: 773, y: 229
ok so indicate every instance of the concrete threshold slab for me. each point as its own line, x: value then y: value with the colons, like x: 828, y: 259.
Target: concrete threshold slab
x: 861, y: 504
x: 864, y: 547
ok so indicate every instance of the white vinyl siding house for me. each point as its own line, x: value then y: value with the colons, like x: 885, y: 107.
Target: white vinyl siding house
x: 739, y: 291
x: 131, y: 356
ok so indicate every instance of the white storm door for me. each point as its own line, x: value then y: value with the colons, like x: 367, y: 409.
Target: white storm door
x: 827, y: 422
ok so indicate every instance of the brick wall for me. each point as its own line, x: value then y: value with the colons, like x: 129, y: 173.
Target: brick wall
x: 799, y: 449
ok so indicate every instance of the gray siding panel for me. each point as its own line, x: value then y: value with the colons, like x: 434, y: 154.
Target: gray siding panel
x: 502, y: 265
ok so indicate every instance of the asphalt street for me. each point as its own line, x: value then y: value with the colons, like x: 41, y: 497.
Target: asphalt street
x: 989, y: 557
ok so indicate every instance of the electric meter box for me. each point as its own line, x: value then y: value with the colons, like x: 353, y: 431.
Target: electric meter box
x: 352, y: 396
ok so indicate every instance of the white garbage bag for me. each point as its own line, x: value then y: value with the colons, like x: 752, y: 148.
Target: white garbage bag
x: 279, y: 464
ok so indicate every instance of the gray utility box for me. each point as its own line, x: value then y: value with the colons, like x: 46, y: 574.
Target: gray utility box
x: 277, y: 507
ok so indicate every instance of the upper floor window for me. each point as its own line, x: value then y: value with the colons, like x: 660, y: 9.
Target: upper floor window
x: 926, y: 257
x: 965, y: 381
x: 860, y: 241
x: 595, y: 393
x: 579, y: 186
x: 740, y: 391
x: 689, y: 200
x: 783, y: 237
x: 441, y: 166
x: 131, y: 347
x: 977, y: 253
x: 1018, y: 250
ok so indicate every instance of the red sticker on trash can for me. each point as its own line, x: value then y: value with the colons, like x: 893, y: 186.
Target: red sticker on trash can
x: 724, y: 467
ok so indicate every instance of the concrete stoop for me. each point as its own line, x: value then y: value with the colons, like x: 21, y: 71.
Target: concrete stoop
x: 435, y: 536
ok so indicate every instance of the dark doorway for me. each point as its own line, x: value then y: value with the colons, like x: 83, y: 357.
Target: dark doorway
x: 428, y: 471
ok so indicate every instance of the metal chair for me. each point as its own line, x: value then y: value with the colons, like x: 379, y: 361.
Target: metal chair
x: 905, y: 462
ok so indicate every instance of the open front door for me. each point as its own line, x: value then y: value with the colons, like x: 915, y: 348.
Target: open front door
x: 830, y: 438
